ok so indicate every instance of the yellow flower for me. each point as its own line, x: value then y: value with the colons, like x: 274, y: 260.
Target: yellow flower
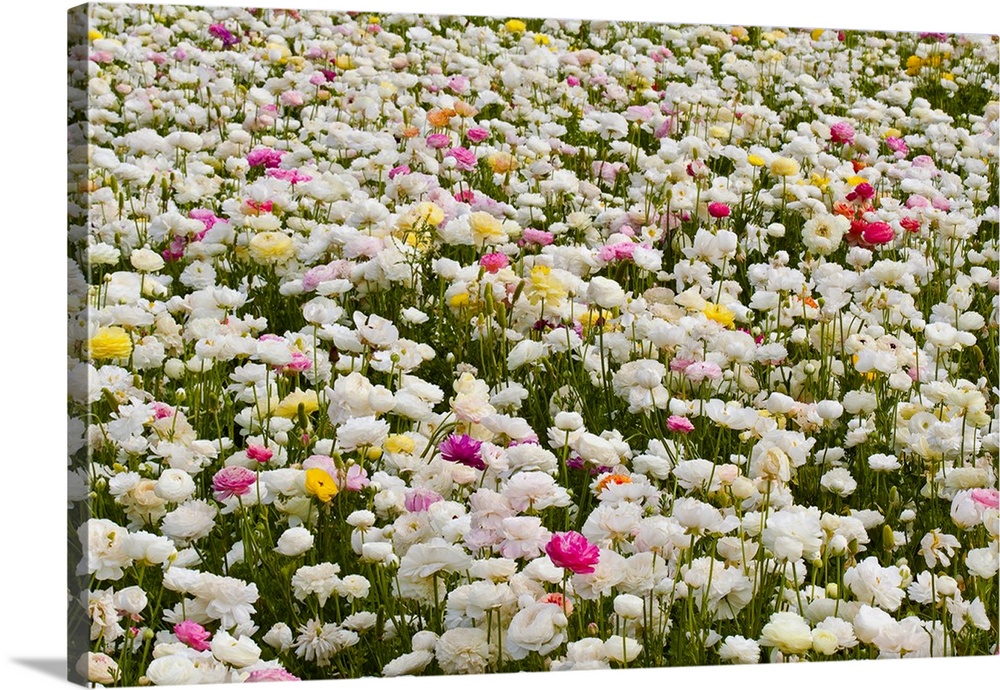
x: 913, y: 64
x: 816, y: 33
x: 344, y: 62
x: 755, y: 160
x: 373, y: 19
x: 720, y: 314
x: 398, y: 443
x: 320, y: 484
x: 110, y: 342
x: 784, y: 167
x: 289, y: 405
x: 541, y: 40
x: 593, y: 317
x: 515, y: 26
x: 95, y: 35
x: 892, y: 132
x: 271, y: 247
x: 817, y: 180
x: 948, y: 76
x: 485, y: 228
x: 501, y: 162
x: 277, y: 52
x: 460, y: 300
x: 855, y: 180
x: 543, y: 285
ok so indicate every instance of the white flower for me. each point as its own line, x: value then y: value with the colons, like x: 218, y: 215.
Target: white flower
x: 605, y: 293
x: 239, y: 652
x: 622, y: 649
x: 175, y: 486
x: 408, y: 664
x: 295, y: 541
x: 739, y: 650
x: 787, y: 631
x: 541, y: 627
x: 175, y: 669
x: 464, y: 650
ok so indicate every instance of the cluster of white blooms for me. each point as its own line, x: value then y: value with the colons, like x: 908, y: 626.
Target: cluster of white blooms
x: 415, y: 344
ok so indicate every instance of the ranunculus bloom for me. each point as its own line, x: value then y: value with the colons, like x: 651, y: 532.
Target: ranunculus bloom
x: 420, y: 499
x: 717, y: 209
x: 232, y: 481
x: 259, y: 453
x: 464, y: 158
x: 678, y: 423
x: 842, y: 133
x: 863, y: 191
x: 986, y: 497
x: 270, y: 675
x: 572, y: 551
x: 438, y: 140
x: 494, y: 262
x: 193, y: 635
x: 477, y: 135
x: 462, y: 449
x: 878, y: 233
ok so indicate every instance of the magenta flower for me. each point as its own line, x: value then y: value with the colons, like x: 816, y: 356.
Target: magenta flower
x: 717, y: 209
x: 897, y: 146
x: 223, y: 34
x: 572, y: 81
x: 268, y: 158
x: 438, y: 140
x: 232, y: 481
x: 842, y: 133
x: 270, y: 675
x: 259, y: 453
x: 878, y: 233
x: 494, y: 262
x: 863, y: 191
x: 193, y: 635
x: 680, y: 424
x: 464, y: 158
x: 292, y: 176
x: 399, y: 170
x: 464, y: 450
x: 477, y: 135
x: 540, y: 237
x: 572, y: 551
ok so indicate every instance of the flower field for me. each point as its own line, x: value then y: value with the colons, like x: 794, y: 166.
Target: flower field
x: 439, y: 345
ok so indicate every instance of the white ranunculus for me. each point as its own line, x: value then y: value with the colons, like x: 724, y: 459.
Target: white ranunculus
x: 174, y: 669
x: 295, y: 541
x: 605, y: 293
x: 238, y: 652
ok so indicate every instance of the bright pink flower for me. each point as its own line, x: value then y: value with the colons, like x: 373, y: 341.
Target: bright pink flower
x: 842, y: 133
x: 572, y: 551
x: 270, y: 675
x: 878, y: 233
x: 293, y: 176
x: 494, y: 262
x: 418, y: 500
x: 466, y: 196
x: 355, y: 480
x: 232, y: 481
x: 438, y: 140
x: 268, y: 158
x: 897, y: 146
x: 477, y: 135
x: 572, y: 81
x: 300, y: 362
x: 679, y: 424
x: 259, y: 453
x: 463, y: 450
x: 193, y: 635
x: 162, y: 410
x: 464, y: 158
x: 717, y: 209
x: 910, y: 224
x: 863, y: 191
x: 620, y: 251
x: 399, y: 170
x: 990, y: 498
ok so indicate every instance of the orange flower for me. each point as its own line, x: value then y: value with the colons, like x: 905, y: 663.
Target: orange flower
x: 611, y: 479
x: 440, y: 117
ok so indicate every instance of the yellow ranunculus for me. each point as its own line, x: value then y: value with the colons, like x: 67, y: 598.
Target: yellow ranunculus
x: 892, y: 132
x: 459, y: 300
x: 398, y: 443
x: 320, y: 484
x: 271, y: 247
x: 486, y: 229
x: 542, y: 285
x: 755, y: 160
x: 816, y: 33
x: 515, y: 26
x: 95, y: 35
x: 720, y: 314
x: 344, y: 62
x: 110, y: 342
x: 501, y: 162
x: 784, y: 167
x: 289, y: 405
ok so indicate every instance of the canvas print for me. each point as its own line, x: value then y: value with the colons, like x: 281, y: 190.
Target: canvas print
x: 409, y: 344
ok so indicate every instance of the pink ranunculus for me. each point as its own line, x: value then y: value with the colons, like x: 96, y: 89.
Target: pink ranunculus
x: 232, y: 481
x: 494, y: 262
x: 259, y: 453
x: 418, y: 500
x: 878, y: 233
x: 459, y: 84
x: 193, y: 635
x: 438, y: 140
x: 699, y: 371
x: 842, y: 133
x: 270, y: 675
x: 355, y: 479
x: 917, y: 201
x: 399, y: 170
x: 989, y: 498
x: 300, y: 362
x: 268, y: 158
x: 292, y: 176
x: 897, y: 146
x: 464, y: 158
x: 477, y: 135
x: 941, y: 204
x: 678, y: 364
x: 162, y: 410
x: 572, y: 551
x: 863, y: 191
x: 541, y: 237
x: 292, y: 98
x: 317, y: 79
x: 679, y: 424
x: 717, y: 209
x: 664, y: 128
x: 572, y: 81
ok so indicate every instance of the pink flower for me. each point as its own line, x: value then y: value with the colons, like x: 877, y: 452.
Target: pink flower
x: 863, y: 191
x: 620, y: 251
x: 717, y: 209
x: 355, y: 480
x: 897, y: 146
x: 494, y: 262
x: 698, y: 169
x: 193, y: 635
x: 572, y: 551
x: 463, y: 450
x: 699, y: 371
x: 941, y: 204
x: 438, y: 140
x: 477, y: 134
x: 322, y: 462
x: 989, y: 498
x: 270, y: 675
x: 678, y: 364
x: 399, y: 170
x: 572, y: 81
x: 259, y: 453
x: 418, y: 500
x: 162, y: 410
x: 268, y: 158
x: 232, y: 481
x: 464, y: 158
x: 681, y: 424
x: 842, y: 133
x: 917, y: 201
x: 292, y: 176
x: 878, y: 233
x: 459, y: 84
x: 466, y: 196
x: 540, y: 237
x: 292, y: 98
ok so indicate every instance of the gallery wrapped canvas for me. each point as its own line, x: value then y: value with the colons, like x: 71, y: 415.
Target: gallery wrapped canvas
x: 407, y: 344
